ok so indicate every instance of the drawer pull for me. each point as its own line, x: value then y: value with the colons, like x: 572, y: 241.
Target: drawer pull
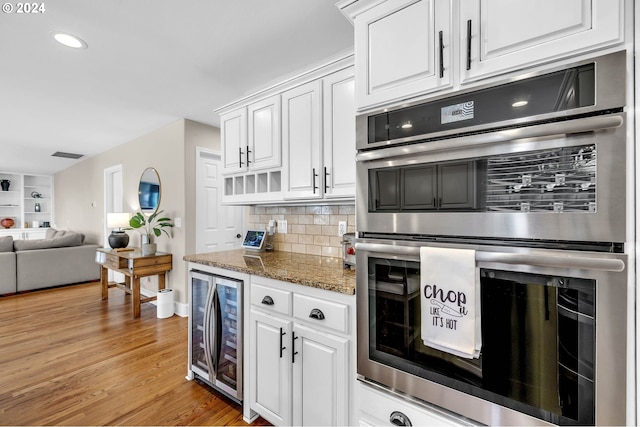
x: 316, y: 313
x: 267, y: 300
x: 397, y: 418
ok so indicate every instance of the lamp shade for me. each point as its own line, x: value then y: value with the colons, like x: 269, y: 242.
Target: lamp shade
x: 117, y: 220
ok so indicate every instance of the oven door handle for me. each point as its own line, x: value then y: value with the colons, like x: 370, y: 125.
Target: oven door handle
x: 559, y: 260
x: 587, y: 124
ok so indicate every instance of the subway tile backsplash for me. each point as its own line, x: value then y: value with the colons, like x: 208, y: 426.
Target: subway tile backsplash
x: 310, y: 229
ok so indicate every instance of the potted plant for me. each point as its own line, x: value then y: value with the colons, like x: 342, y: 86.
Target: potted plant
x: 149, y: 227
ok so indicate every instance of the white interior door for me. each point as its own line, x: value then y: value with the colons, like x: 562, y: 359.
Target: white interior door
x: 112, y: 203
x: 218, y: 227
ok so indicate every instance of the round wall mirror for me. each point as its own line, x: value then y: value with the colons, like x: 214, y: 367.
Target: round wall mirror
x: 149, y: 191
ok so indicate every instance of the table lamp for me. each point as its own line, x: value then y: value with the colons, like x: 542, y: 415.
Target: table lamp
x: 118, y: 238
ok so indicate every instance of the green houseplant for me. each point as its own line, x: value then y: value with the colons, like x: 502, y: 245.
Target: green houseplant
x: 148, y: 227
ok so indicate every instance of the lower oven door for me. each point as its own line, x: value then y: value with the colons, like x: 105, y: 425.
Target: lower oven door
x: 553, y: 334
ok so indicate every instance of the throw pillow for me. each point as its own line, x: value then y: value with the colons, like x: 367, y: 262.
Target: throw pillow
x: 52, y: 233
x: 6, y: 244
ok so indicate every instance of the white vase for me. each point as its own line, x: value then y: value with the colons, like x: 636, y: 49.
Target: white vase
x: 149, y: 249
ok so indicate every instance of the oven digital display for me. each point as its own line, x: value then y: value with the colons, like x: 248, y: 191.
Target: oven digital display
x: 457, y: 112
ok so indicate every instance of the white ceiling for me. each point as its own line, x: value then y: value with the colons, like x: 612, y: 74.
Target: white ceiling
x: 148, y: 63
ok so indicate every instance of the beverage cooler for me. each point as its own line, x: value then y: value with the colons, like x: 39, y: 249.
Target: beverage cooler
x: 215, y: 332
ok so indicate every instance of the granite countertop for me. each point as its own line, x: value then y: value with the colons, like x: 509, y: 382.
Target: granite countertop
x: 308, y: 270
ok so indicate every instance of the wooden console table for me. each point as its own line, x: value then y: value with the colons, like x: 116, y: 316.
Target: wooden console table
x: 134, y: 266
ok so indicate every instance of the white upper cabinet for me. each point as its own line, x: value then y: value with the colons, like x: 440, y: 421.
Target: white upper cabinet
x: 318, y: 122
x: 233, y: 133
x: 302, y: 132
x: 504, y: 35
x: 402, y: 47
x: 294, y: 141
x: 264, y: 134
x: 339, y: 136
x: 251, y: 136
x: 410, y: 48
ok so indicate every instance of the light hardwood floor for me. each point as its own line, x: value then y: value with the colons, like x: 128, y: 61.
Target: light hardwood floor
x: 69, y: 358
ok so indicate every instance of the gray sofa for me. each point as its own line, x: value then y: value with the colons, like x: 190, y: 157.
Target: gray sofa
x: 60, y: 259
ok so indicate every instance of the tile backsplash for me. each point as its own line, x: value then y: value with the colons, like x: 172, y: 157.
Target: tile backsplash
x: 310, y: 229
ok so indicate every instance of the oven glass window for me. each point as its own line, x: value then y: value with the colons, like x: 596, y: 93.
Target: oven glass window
x: 559, y: 91
x: 538, y: 340
x: 545, y: 181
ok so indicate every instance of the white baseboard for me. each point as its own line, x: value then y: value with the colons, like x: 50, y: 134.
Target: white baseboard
x: 179, y: 308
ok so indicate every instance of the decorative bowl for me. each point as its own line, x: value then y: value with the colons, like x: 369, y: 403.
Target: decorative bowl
x: 7, y: 222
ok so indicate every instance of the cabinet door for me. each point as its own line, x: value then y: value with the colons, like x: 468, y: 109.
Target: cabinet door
x: 339, y: 145
x: 301, y: 139
x: 264, y: 133
x: 233, y: 133
x: 419, y: 188
x: 456, y: 185
x: 270, y: 359
x: 512, y: 34
x: 35, y: 234
x: 321, y: 376
x: 402, y: 49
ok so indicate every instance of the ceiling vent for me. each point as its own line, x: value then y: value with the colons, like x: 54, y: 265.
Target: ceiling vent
x: 67, y: 155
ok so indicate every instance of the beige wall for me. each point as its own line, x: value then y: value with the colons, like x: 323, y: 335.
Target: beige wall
x: 79, y: 190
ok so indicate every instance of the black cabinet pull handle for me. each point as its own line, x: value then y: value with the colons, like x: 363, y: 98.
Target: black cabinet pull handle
x: 240, y: 156
x: 267, y: 300
x: 397, y: 418
x: 293, y: 347
x: 238, y: 236
x: 248, y: 161
x: 441, y: 54
x: 469, y: 44
x: 326, y: 174
x: 316, y: 313
x: 281, y: 347
x: 439, y: 202
x: 314, y: 174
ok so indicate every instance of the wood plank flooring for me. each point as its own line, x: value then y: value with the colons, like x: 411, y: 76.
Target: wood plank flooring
x: 69, y: 358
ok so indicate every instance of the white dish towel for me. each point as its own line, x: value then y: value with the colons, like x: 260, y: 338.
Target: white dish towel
x: 450, y: 301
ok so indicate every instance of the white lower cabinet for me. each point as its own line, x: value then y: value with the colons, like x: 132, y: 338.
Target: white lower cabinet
x: 300, y: 363
x: 320, y: 378
x: 25, y: 234
x: 381, y: 408
x: 270, y: 369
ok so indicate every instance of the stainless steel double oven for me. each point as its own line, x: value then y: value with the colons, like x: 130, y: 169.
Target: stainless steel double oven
x: 532, y: 175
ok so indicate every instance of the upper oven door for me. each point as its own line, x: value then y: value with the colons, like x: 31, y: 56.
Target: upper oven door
x: 555, y: 181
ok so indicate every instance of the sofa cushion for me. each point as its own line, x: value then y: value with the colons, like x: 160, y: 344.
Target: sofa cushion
x: 69, y: 239
x: 6, y: 244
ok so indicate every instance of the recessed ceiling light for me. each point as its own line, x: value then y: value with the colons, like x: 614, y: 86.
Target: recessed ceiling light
x: 70, y: 40
x: 519, y: 104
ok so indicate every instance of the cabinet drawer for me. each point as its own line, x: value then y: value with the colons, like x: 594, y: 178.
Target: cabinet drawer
x: 320, y: 312
x: 111, y: 261
x: 381, y: 408
x: 271, y: 299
